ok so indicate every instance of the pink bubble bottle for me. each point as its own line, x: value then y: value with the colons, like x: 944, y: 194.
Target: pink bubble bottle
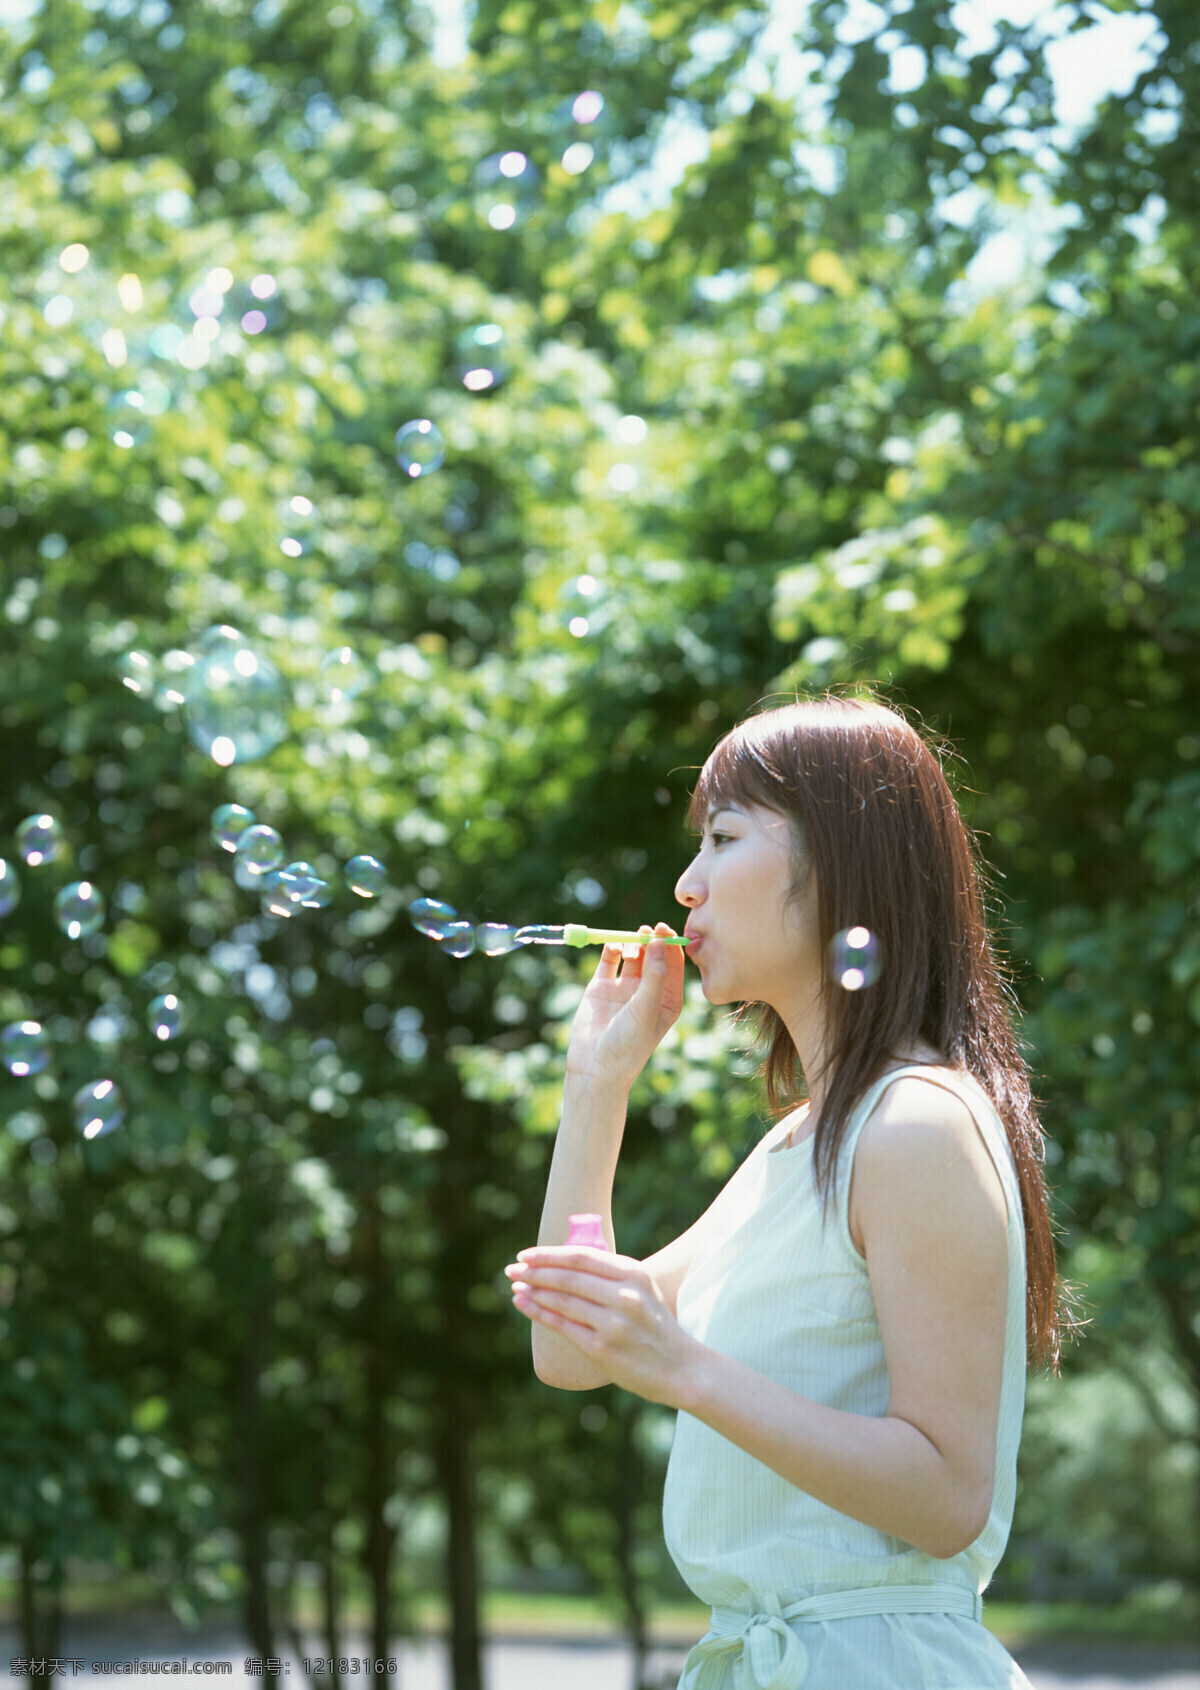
x: 586, y: 1229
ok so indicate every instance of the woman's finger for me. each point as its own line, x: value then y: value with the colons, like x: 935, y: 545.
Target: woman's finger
x: 584, y: 1287
x: 610, y: 962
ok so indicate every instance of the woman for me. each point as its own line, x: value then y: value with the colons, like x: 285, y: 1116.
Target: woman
x: 844, y: 1331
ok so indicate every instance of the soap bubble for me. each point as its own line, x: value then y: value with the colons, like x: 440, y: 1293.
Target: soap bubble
x: 10, y: 888
x: 137, y: 672
x: 505, y: 189
x: 297, y: 881
x: 431, y: 917
x: 128, y: 418
x: 854, y: 958
x: 342, y: 675
x: 458, y: 938
x: 40, y: 840
x: 319, y: 895
x: 228, y: 823
x: 98, y: 1108
x: 420, y: 447
x: 275, y: 900
x: 236, y: 699
x: 260, y: 849
x: 24, y: 1048
x: 166, y: 1017
x: 576, y: 127
x: 368, y: 877
x: 169, y: 694
x: 478, y: 360
x: 494, y: 939
x: 79, y: 909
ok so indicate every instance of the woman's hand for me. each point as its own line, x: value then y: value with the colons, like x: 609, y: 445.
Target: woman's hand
x: 630, y: 1004
x: 611, y: 1309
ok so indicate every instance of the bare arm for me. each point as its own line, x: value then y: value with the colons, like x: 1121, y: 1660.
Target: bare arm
x: 929, y: 1211
x: 629, y: 1005
x: 582, y: 1171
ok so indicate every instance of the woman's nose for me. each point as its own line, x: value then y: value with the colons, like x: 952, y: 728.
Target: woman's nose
x: 688, y: 890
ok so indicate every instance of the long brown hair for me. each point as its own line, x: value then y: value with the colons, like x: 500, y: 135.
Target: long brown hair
x: 873, y: 815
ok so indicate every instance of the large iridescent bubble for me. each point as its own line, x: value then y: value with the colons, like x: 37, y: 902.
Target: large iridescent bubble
x: 236, y: 698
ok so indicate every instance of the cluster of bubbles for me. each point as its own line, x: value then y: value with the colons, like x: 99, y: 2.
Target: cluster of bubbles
x: 215, y: 310
x: 285, y: 888
x: 79, y: 912
x: 460, y: 938
x: 855, y: 959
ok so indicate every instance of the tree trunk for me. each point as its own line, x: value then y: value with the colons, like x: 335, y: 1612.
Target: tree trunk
x: 456, y: 1479
x: 253, y: 1525
x: 331, y: 1615
x: 1179, y: 1304
x: 628, y: 1490
x: 41, y: 1611
x: 380, y: 1538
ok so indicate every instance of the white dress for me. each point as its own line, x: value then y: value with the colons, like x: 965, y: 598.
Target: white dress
x: 804, y: 1597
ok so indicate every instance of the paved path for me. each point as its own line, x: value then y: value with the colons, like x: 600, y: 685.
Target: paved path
x: 516, y: 1664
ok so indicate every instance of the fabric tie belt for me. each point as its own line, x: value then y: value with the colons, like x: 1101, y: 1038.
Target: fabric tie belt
x: 770, y: 1654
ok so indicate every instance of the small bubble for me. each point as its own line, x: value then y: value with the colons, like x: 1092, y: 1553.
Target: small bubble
x: 458, y: 938
x: 24, y: 1048
x: 259, y: 849
x: 10, y: 888
x: 494, y: 939
x: 632, y: 430
x: 297, y: 881
x: 98, y: 1108
x: 505, y: 188
x: 478, y: 357
x: 137, y: 672
x: 319, y: 895
x: 586, y: 107
x: 79, y: 909
x: 166, y: 1017
x: 577, y: 157
x: 263, y: 287
x: 368, y: 877
x: 432, y: 917
x: 254, y: 322
x: 275, y: 900
x: 73, y: 258
x: 854, y: 958
x: 228, y: 823
x: 420, y: 447
x: 40, y: 840
x: 343, y: 675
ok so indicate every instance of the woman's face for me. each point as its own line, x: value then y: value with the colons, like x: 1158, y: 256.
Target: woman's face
x: 750, y: 942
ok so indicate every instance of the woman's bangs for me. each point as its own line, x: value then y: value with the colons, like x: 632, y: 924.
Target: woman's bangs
x: 735, y: 773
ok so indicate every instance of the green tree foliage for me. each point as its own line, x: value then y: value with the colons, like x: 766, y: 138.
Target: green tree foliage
x: 249, y: 1338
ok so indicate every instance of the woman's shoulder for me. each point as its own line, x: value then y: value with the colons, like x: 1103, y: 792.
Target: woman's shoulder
x: 931, y: 1121
x: 922, y: 1147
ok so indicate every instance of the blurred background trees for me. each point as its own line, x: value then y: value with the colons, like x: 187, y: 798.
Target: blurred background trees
x: 786, y: 415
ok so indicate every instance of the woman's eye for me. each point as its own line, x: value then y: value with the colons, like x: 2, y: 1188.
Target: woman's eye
x: 720, y: 838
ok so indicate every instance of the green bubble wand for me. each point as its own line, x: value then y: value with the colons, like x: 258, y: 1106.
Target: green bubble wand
x: 574, y: 933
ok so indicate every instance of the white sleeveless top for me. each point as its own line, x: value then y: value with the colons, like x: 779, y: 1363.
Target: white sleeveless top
x: 795, y: 1585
